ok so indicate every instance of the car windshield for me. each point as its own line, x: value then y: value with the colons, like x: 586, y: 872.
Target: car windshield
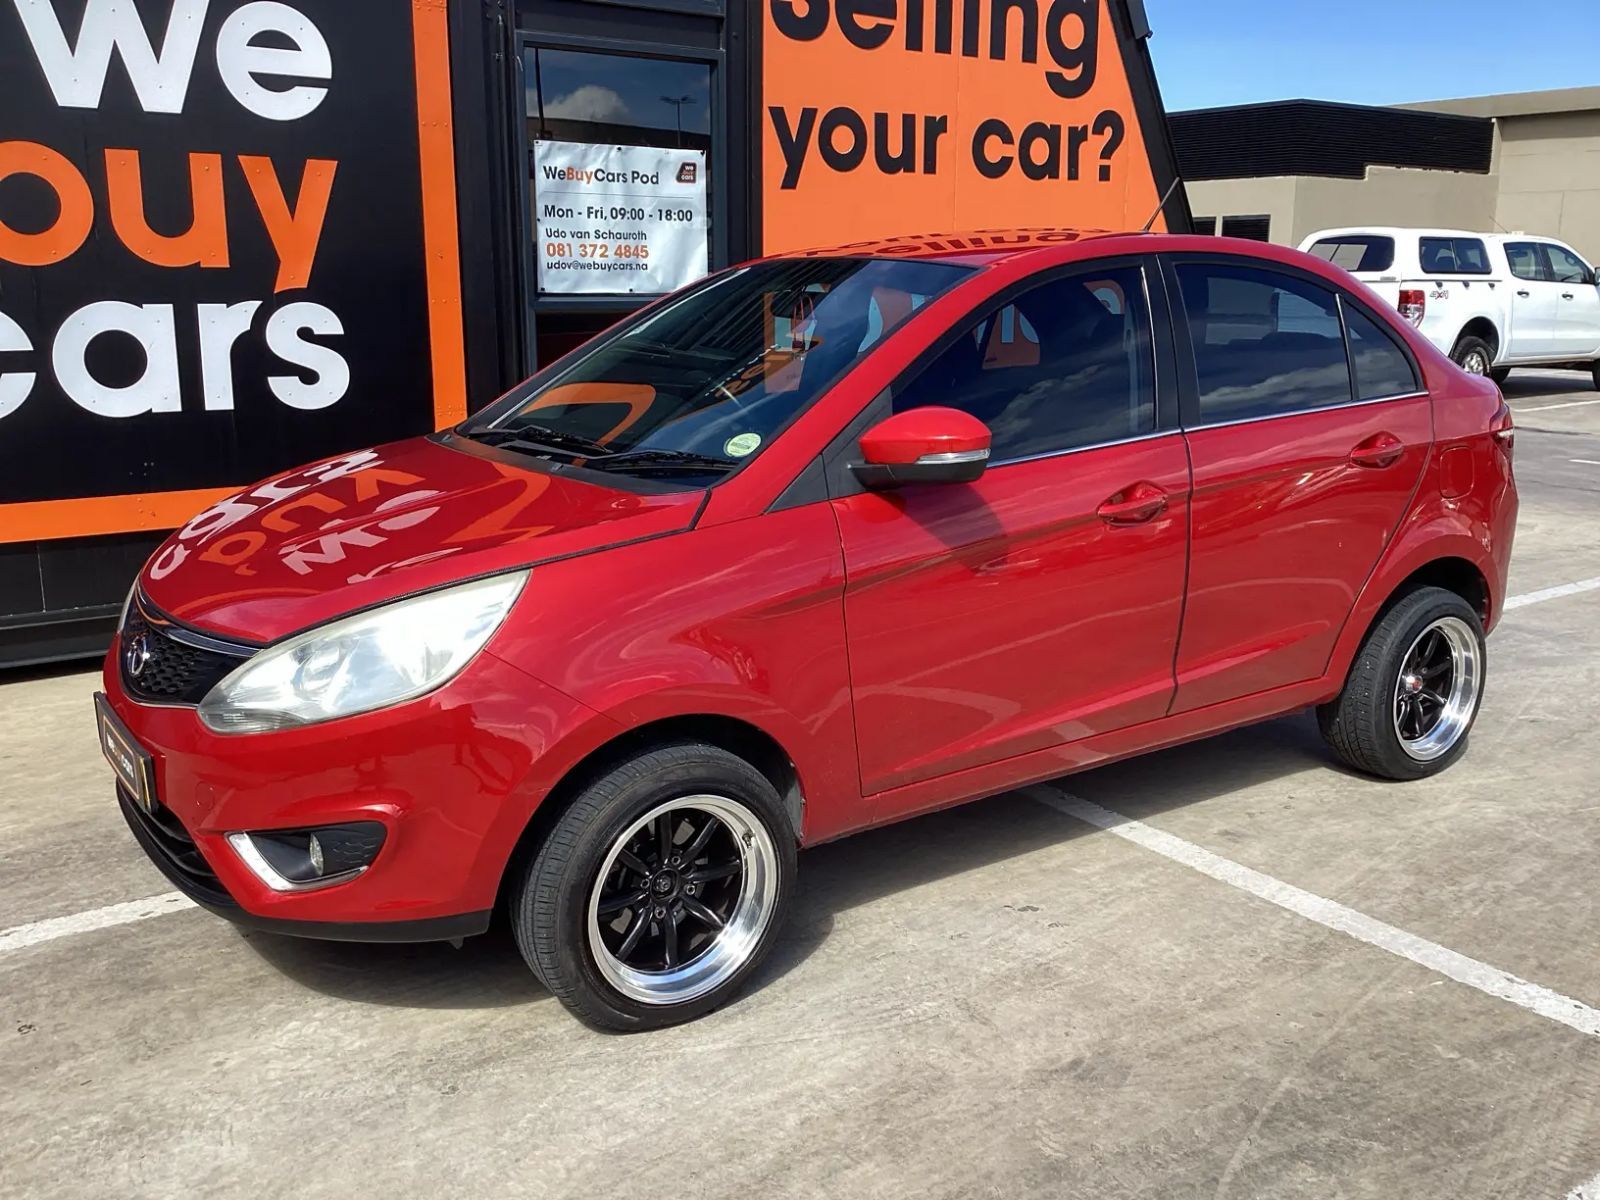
x: 706, y: 380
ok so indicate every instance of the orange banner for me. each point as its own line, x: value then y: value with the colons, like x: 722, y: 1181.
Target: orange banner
x: 889, y: 117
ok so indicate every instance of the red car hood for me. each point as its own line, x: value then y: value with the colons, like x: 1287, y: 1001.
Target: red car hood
x: 357, y: 530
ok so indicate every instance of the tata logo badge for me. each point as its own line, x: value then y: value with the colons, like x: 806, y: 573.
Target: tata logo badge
x: 138, y: 655
x: 688, y: 172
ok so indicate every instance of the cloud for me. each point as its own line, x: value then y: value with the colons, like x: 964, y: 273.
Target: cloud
x: 591, y: 102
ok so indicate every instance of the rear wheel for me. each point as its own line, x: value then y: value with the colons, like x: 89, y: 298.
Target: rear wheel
x: 659, y: 890
x: 1413, y: 691
x: 1501, y: 374
x: 1473, y: 355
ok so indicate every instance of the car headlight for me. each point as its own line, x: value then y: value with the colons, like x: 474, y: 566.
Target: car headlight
x: 357, y: 664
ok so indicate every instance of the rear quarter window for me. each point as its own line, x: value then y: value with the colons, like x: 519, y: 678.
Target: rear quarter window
x: 1357, y: 252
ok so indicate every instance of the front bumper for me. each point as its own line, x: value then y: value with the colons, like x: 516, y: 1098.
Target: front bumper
x: 450, y: 776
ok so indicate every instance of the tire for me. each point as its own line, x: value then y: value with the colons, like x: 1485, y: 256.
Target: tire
x: 1473, y: 355
x: 1501, y: 374
x: 584, y: 863
x: 1596, y: 368
x: 1393, y: 686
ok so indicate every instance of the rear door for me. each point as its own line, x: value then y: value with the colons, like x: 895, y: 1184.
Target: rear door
x: 1534, y: 300
x: 1307, y: 449
x: 1041, y: 604
x: 1577, y: 330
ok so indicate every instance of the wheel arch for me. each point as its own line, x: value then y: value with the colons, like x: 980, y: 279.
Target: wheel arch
x: 1453, y: 574
x: 737, y: 736
x: 1451, y: 563
x: 1484, y: 328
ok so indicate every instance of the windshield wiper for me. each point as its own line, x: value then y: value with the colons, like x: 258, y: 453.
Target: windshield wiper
x: 540, y: 439
x: 656, y: 460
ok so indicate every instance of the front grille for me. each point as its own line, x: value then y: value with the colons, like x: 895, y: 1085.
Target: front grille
x: 170, y: 847
x: 162, y: 663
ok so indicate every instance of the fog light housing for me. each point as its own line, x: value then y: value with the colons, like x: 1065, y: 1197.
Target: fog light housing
x: 302, y: 860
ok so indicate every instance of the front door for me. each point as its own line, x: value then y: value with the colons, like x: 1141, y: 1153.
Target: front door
x: 1041, y: 604
x: 1305, y: 459
x: 1534, y: 297
x: 1577, y: 304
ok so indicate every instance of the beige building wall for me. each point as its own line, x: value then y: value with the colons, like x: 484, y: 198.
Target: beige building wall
x: 1301, y: 205
x: 1550, y: 178
x: 1545, y: 180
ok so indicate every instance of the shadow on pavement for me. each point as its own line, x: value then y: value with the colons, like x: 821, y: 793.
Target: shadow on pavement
x: 488, y: 972
x: 1530, y: 385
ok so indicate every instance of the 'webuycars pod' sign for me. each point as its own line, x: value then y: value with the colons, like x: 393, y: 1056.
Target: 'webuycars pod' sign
x: 215, y: 218
x: 893, y: 117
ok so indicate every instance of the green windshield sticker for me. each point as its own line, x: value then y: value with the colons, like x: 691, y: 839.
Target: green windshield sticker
x: 742, y: 445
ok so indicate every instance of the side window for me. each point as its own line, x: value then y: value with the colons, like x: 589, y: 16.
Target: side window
x: 1382, y: 368
x: 1265, y: 343
x: 1066, y: 365
x: 1566, y: 267
x: 1454, y: 256
x: 1525, y: 261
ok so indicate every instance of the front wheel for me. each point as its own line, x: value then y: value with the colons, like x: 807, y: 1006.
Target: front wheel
x: 1474, y: 356
x: 659, y: 889
x: 1413, y: 691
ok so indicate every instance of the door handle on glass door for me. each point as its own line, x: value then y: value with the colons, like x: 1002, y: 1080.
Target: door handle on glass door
x: 1380, y: 450
x: 1134, y: 505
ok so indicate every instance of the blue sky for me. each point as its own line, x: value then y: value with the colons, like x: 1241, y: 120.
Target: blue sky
x: 1214, y: 52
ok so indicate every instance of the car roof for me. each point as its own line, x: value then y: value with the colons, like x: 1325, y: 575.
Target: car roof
x: 1395, y: 231
x: 972, y: 248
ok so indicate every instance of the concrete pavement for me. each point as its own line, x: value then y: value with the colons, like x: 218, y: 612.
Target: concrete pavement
x: 997, y: 1001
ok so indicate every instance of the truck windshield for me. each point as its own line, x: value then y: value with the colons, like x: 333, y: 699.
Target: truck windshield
x: 702, y: 383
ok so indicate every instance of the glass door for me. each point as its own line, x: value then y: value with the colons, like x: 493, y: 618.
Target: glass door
x: 623, y: 194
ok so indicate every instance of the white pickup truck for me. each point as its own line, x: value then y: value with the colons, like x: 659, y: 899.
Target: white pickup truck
x: 1490, y: 301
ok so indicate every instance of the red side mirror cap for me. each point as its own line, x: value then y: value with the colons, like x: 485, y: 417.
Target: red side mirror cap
x: 924, y: 445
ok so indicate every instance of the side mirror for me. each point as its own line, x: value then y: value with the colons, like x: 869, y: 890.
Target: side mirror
x: 924, y: 445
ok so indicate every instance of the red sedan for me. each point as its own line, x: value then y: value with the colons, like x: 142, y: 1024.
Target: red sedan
x: 822, y: 542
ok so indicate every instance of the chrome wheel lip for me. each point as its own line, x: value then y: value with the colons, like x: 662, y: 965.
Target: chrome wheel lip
x: 1461, y: 700
x: 733, y: 945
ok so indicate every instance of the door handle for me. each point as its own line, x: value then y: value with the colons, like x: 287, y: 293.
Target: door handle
x: 1524, y: 295
x: 1566, y: 295
x: 1379, y: 451
x: 1134, y: 505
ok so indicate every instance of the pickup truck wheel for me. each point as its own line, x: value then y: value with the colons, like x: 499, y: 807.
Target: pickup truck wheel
x: 1501, y: 374
x: 1474, y: 356
x: 660, y: 889
x: 1413, y: 690
x: 1597, y: 375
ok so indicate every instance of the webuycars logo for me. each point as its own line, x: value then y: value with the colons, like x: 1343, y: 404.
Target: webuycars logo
x: 210, y: 267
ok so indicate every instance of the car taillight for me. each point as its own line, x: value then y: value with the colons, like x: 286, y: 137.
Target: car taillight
x: 1504, y: 427
x: 1414, y: 305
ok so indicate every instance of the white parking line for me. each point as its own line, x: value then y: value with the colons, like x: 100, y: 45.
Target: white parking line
x: 1553, y: 593
x: 20, y: 937
x: 1585, y: 462
x: 1587, y: 1191
x: 1329, y: 913
x: 1553, y: 407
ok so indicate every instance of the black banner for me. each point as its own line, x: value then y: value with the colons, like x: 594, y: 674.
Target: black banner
x: 211, y: 242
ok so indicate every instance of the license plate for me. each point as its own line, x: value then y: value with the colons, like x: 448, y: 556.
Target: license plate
x: 128, y: 759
